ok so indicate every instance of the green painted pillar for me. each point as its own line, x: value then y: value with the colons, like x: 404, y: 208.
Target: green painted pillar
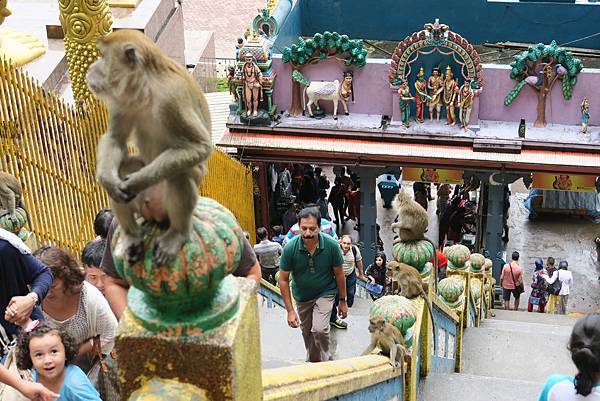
x: 493, y: 227
x: 368, y: 213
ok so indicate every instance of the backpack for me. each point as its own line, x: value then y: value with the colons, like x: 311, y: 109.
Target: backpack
x: 556, y: 286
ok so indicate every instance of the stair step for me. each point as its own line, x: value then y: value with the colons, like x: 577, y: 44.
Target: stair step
x: 534, y: 317
x: 466, y: 387
x: 516, y: 354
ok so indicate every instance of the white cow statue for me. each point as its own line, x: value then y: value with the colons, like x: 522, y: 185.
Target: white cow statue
x: 326, y: 90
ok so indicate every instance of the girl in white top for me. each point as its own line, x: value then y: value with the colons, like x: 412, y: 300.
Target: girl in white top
x: 585, y: 353
x: 566, y: 279
x: 75, y: 305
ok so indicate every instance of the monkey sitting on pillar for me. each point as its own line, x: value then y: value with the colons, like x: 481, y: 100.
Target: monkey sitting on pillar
x: 407, y: 282
x: 11, y: 197
x: 153, y: 101
x: 389, y: 339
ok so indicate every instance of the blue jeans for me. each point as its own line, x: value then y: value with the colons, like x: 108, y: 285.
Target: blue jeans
x: 350, y: 291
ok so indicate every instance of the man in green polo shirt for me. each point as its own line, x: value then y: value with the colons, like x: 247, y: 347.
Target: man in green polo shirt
x: 315, y: 261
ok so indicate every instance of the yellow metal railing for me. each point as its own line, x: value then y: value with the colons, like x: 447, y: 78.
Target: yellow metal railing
x: 50, y: 146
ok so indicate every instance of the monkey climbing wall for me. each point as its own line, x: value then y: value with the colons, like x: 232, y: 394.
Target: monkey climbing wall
x: 50, y: 146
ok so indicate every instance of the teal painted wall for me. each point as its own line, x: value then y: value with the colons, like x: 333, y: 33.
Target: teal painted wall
x: 477, y: 20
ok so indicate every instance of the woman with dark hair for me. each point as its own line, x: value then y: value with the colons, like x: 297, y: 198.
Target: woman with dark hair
x: 376, y: 274
x: 102, y: 222
x: 584, y: 346
x: 76, y: 306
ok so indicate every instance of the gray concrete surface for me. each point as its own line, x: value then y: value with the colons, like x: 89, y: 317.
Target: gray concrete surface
x: 283, y: 346
x: 508, y: 358
x: 462, y: 387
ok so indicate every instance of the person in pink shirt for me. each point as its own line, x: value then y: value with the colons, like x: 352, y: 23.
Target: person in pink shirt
x: 511, y: 280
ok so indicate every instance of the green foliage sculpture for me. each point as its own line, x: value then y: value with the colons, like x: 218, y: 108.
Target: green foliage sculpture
x: 317, y: 48
x: 540, y: 67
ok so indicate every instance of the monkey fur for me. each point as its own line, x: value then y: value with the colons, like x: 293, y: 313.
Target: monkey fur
x: 11, y: 197
x: 407, y: 282
x: 389, y: 339
x: 412, y: 218
x: 155, y: 103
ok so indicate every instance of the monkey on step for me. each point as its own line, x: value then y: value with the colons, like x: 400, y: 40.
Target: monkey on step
x: 389, y: 339
x: 407, y: 282
x: 155, y: 103
x: 11, y: 197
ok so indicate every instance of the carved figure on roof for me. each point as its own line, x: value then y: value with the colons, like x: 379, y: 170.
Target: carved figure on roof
x: 323, y: 90
x: 405, y: 99
x: 252, y: 78
x: 436, y: 33
x: 540, y: 67
x: 585, y: 115
x: 450, y: 94
x: 435, y: 84
x: 465, y: 103
x: 347, y: 88
x: 421, y: 96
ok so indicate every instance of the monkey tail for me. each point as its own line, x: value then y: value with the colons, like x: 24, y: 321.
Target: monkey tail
x: 427, y: 301
x: 22, y: 206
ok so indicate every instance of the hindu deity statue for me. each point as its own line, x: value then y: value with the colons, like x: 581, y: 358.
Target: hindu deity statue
x: 585, y: 115
x: 405, y: 98
x: 421, y: 96
x: 450, y: 95
x: 465, y: 103
x: 435, y: 84
x: 346, y: 91
x: 252, y: 79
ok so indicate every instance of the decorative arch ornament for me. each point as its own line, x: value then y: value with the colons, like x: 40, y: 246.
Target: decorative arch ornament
x: 435, y: 37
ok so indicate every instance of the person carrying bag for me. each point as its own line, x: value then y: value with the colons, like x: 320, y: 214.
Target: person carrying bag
x: 103, y: 373
x: 514, y: 284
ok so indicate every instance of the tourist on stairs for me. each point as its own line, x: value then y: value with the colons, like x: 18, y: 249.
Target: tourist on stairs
x: 584, y: 346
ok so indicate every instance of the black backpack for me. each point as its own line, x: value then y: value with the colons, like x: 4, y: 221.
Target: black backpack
x: 556, y: 286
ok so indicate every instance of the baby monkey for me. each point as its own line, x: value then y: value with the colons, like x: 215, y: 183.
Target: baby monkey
x: 389, y: 339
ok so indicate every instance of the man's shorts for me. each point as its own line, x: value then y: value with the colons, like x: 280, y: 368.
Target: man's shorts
x: 506, y: 293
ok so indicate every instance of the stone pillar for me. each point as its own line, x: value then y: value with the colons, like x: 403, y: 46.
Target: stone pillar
x: 223, y: 363
x: 83, y: 23
x: 191, y: 320
x: 493, y: 227
x: 368, y: 213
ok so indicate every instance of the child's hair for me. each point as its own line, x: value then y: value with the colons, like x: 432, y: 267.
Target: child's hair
x: 102, y: 222
x: 585, y: 352
x: 92, y: 253
x: 43, y: 328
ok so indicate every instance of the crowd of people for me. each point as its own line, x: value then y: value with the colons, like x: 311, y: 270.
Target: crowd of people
x: 60, y: 316
x: 550, y: 286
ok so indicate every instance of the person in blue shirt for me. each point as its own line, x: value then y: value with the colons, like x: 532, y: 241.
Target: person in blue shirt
x: 18, y: 270
x: 584, y: 346
x: 50, y: 351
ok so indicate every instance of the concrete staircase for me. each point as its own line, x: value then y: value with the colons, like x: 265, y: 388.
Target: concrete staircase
x: 507, y: 358
x: 283, y: 346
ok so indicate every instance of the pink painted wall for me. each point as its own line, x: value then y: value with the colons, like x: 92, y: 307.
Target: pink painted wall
x: 373, y: 94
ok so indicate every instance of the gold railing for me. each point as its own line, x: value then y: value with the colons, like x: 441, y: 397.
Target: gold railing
x: 50, y: 146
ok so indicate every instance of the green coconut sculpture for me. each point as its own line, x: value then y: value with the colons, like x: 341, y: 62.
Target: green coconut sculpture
x: 14, y: 227
x: 192, y: 294
x: 399, y: 311
x: 457, y: 255
x: 476, y: 262
x: 450, y: 291
x: 414, y: 253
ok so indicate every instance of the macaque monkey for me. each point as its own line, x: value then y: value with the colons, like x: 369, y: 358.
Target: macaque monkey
x: 413, y: 219
x: 11, y: 197
x: 156, y: 104
x: 407, y: 282
x: 389, y: 339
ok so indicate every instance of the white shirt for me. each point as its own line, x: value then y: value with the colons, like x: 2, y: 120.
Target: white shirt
x: 349, y: 264
x: 565, y: 277
x: 562, y: 388
x: 92, y: 318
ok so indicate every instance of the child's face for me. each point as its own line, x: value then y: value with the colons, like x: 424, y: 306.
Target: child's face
x: 48, y: 355
x: 95, y: 277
